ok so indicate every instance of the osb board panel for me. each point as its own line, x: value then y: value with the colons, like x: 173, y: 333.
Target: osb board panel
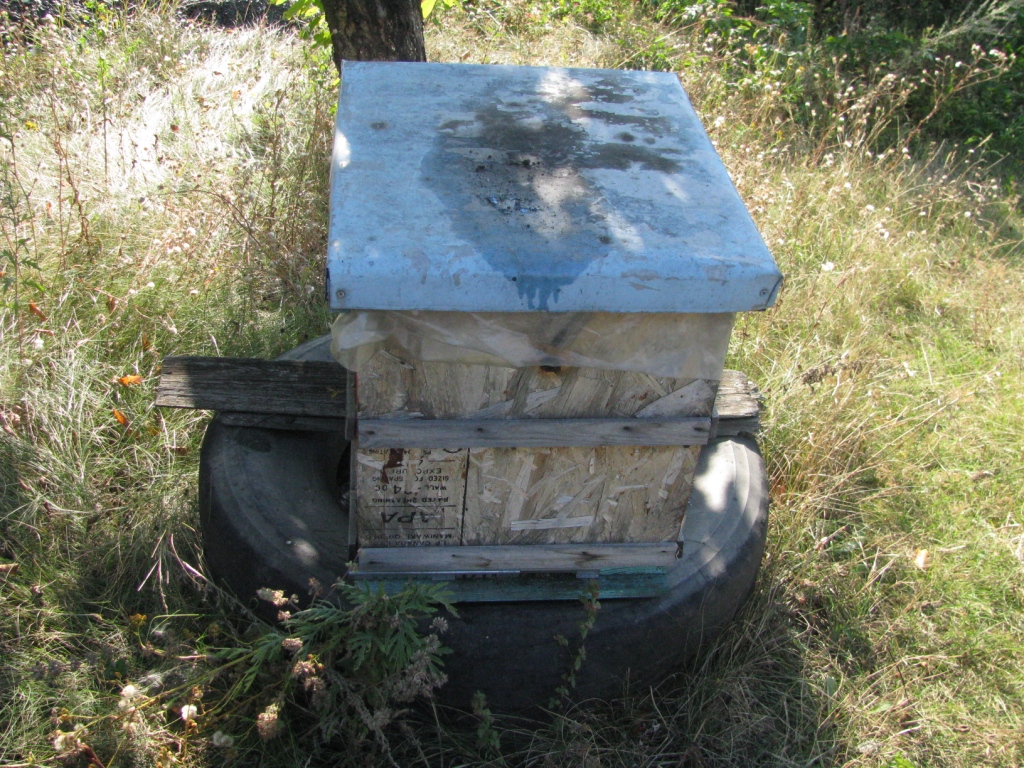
x: 393, y: 386
x: 519, y: 495
x: 563, y: 495
x: 410, y: 497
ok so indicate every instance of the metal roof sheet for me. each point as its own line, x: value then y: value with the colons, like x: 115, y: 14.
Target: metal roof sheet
x: 512, y: 189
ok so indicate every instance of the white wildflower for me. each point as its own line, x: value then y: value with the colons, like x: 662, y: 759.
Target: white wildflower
x: 221, y: 739
x: 128, y: 693
x: 188, y: 712
x: 267, y: 723
x: 275, y: 597
x: 67, y: 741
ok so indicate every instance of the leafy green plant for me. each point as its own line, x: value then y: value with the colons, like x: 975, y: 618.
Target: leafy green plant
x: 488, y: 737
x: 591, y: 605
x: 310, y: 16
x: 427, y: 6
x: 595, y: 15
x: 351, y: 664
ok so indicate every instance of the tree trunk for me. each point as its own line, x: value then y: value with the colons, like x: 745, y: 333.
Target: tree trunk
x: 375, y: 30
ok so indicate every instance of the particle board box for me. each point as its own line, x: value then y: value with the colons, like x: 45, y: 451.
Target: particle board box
x: 520, y: 495
x: 544, y: 255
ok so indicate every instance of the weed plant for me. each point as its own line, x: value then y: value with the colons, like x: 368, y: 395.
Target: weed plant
x: 163, y: 190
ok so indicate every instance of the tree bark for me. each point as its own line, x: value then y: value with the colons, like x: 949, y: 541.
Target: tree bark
x: 375, y: 30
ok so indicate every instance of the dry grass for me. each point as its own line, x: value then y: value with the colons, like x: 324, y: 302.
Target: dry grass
x: 163, y: 190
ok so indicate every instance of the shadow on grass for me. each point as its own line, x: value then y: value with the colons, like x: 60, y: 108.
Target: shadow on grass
x: 769, y: 691
x: 13, y: 497
x: 754, y: 697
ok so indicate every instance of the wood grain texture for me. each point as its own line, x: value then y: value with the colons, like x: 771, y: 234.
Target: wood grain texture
x: 696, y: 397
x: 738, y: 397
x: 289, y: 387
x: 738, y: 404
x: 542, y: 558
x: 605, y: 494
x: 733, y: 427
x: 531, y: 433
x: 393, y: 385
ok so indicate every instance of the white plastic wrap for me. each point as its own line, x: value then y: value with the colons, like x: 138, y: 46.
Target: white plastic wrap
x: 662, y: 344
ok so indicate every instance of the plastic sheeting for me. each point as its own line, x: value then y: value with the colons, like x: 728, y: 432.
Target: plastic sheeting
x: 662, y: 344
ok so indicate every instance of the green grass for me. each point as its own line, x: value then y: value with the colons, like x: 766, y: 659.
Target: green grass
x: 892, y: 368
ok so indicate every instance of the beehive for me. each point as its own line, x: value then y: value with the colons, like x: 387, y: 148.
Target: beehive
x: 537, y: 271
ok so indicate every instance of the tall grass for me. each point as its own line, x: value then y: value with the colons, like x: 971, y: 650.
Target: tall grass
x: 163, y: 190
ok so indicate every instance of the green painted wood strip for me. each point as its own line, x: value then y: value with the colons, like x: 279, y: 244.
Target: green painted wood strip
x: 531, y: 587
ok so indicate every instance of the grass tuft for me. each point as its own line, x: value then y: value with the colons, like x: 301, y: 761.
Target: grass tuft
x: 163, y: 190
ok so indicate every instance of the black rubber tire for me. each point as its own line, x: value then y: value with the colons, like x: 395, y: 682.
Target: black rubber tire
x: 271, y: 518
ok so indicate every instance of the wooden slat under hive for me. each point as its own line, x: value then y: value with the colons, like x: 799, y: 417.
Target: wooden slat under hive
x: 418, y: 496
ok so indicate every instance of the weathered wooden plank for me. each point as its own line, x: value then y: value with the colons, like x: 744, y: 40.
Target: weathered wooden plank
x: 542, y: 558
x: 237, y: 384
x: 738, y: 397
x: 512, y: 586
x: 732, y: 427
x: 531, y: 433
x: 738, y: 404
x: 292, y: 387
